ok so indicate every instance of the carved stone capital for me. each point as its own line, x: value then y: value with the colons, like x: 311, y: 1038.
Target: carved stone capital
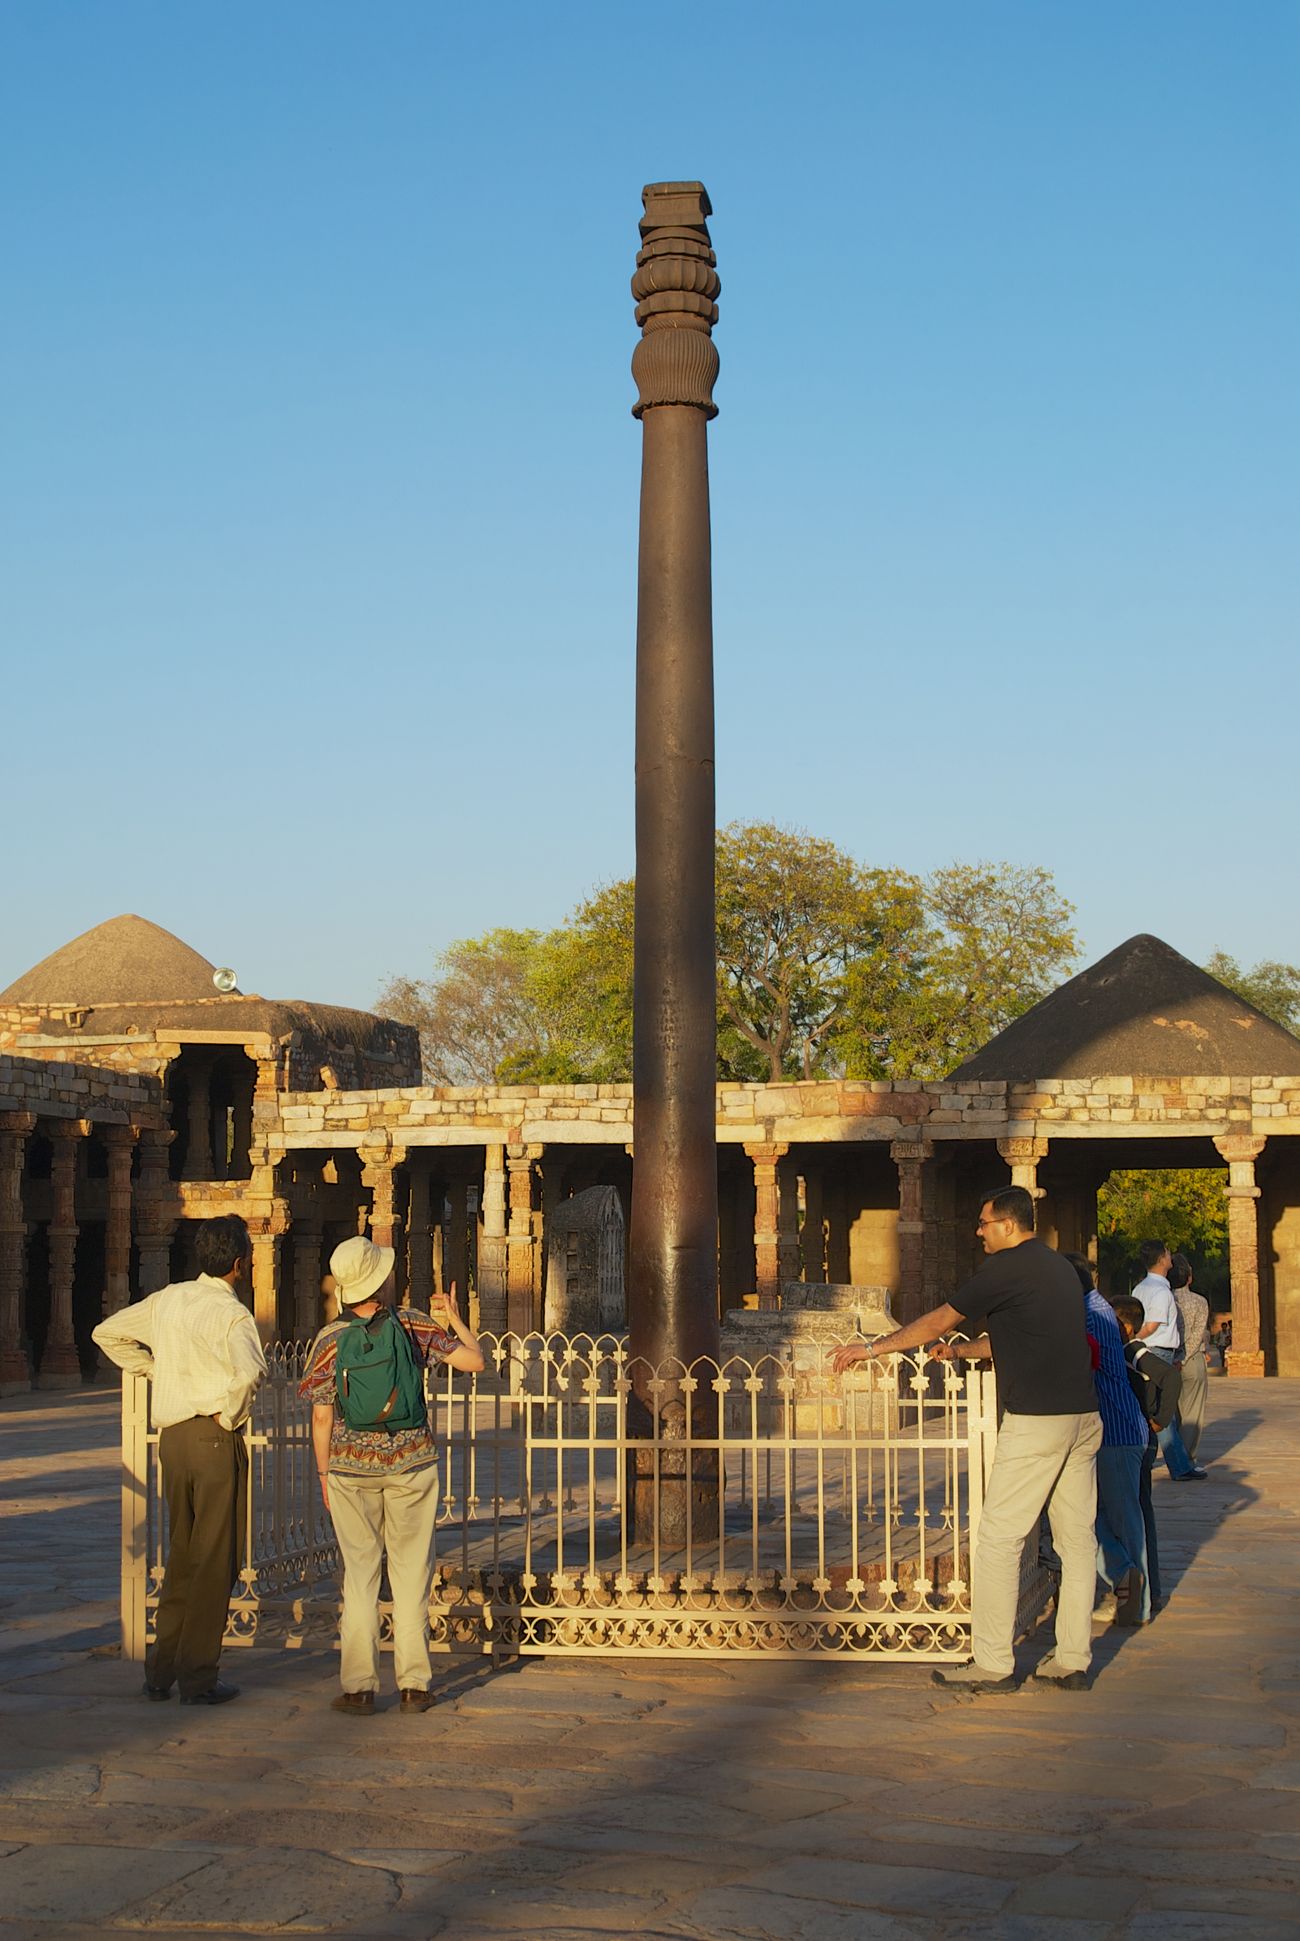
x: 23, y: 1124
x: 676, y: 288
x: 1239, y: 1148
x: 1018, y: 1152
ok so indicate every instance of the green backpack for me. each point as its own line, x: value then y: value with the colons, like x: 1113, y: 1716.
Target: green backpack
x: 379, y: 1381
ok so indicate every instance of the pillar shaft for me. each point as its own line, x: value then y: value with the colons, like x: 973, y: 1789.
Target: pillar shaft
x: 60, y: 1367
x: 812, y: 1241
x: 198, y: 1153
x: 672, y: 1296
x: 307, y: 1309
x: 789, y: 1261
x: 519, y: 1237
x: 155, y: 1222
x: 455, y: 1248
x: 910, y: 1156
x: 767, y: 1231
x: 420, y: 1234
x: 492, y: 1248
x: 15, y: 1130
x: 120, y: 1142
x: 266, y: 1266
x: 1241, y: 1150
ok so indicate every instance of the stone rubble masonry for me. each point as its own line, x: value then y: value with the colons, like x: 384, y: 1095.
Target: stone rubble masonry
x: 59, y: 1090
x: 816, y: 1112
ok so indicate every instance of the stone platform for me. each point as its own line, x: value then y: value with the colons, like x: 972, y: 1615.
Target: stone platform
x: 676, y: 1802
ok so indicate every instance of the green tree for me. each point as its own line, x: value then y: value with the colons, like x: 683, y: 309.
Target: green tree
x: 1271, y: 987
x: 1187, y: 1207
x: 803, y: 930
x: 824, y: 967
x: 995, y: 938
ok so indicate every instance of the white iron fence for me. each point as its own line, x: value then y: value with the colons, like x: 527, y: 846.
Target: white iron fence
x: 823, y: 1517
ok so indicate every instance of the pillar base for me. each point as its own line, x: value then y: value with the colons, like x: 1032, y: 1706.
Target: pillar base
x: 15, y: 1384
x: 59, y: 1377
x: 1248, y: 1362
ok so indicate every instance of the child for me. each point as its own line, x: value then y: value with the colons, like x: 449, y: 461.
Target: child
x: 1156, y: 1384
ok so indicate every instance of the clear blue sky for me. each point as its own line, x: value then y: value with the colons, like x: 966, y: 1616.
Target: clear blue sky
x: 318, y: 483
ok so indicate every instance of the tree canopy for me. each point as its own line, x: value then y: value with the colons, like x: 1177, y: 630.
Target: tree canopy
x: 1272, y: 988
x: 825, y: 967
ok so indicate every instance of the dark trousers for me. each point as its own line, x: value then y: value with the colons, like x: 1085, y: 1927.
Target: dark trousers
x: 1149, y: 1455
x: 205, y: 1470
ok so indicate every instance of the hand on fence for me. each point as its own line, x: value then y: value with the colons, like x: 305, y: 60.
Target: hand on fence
x: 946, y: 1351
x: 852, y: 1352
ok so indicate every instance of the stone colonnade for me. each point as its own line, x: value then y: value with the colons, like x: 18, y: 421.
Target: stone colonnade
x: 788, y: 1208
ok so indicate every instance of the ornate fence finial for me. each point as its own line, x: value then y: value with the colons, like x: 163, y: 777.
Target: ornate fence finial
x: 676, y: 286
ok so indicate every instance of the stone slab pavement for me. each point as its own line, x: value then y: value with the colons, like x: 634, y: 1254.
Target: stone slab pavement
x: 696, y: 1800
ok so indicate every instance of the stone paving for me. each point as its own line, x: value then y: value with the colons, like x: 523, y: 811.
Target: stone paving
x: 704, y: 1800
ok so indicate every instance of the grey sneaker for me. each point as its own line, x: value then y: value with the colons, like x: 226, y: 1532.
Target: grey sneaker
x: 1053, y: 1673
x: 1106, y: 1610
x: 971, y: 1677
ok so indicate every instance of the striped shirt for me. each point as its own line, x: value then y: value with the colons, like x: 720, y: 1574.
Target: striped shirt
x: 1123, y: 1424
x: 373, y: 1453
x: 200, y: 1345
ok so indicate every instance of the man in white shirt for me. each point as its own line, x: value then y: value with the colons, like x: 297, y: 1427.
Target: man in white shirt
x: 199, y: 1344
x: 1162, y: 1333
x: 1160, y: 1330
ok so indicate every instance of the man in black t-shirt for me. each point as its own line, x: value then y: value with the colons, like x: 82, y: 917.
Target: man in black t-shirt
x: 1024, y: 1308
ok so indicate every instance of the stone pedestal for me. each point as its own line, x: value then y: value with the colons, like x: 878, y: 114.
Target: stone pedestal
x: 796, y: 1340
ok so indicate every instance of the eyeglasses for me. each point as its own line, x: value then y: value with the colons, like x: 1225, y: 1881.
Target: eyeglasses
x: 990, y: 1223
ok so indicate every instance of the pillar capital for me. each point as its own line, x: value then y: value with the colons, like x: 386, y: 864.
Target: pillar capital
x: 1017, y: 1152
x: 903, y: 1151
x: 70, y: 1130
x: 676, y: 288
x: 118, y: 1138
x: 20, y: 1124
x: 1240, y: 1148
x: 766, y: 1152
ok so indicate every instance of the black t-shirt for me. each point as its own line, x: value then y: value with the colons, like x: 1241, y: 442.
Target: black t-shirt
x: 1029, y: 1301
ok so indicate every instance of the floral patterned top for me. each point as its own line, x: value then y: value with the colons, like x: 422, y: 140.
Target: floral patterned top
x: 373, y: 1454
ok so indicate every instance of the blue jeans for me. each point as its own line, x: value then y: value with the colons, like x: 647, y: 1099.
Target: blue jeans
x: 1121, y: 1529
x: 1170, y: 1438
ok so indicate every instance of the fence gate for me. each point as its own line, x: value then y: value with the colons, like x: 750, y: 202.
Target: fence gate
x: 835, y: 1519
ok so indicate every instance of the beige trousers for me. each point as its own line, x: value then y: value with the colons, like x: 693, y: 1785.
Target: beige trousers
x: 1191, y: 1402
x: 395, y: 1515
x: 1040, y: 1459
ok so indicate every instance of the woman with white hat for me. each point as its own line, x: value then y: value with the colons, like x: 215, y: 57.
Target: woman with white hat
x: 378, y: 1463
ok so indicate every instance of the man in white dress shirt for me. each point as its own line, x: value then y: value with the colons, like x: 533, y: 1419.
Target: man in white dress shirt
x: 199, y: 1344
x: 1162, y: 1333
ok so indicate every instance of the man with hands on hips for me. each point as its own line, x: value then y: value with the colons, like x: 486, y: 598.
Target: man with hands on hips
x: 1023, y: 1305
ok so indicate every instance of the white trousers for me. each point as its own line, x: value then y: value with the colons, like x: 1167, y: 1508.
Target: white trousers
x: 395, y: 1515
x: 1040, y: 1459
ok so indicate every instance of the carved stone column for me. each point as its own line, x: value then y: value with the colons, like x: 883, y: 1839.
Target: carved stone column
x: 308, y: 1237
x: 910, y: 1155
x: 1022, y: 1156
x: 812, y: 1241
x: 419, y: 1285
x: 120, y: 1142
x: 60, y: 1367
x: 789, y: 1259
x: 266, y: 1278
x: 155, y: 1220
x: 519, y: 1241
x: 15, y: 1130
x: 455, y: 1246
x: 767, y: 1229
x: 378, y: 1165
x: 672, y: 1296
x: 198, y: 1152
x: 492, y: 1248
x: 1241, y: 1150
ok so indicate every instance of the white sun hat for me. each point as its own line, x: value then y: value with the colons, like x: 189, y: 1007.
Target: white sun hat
x: 360, y: 1269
